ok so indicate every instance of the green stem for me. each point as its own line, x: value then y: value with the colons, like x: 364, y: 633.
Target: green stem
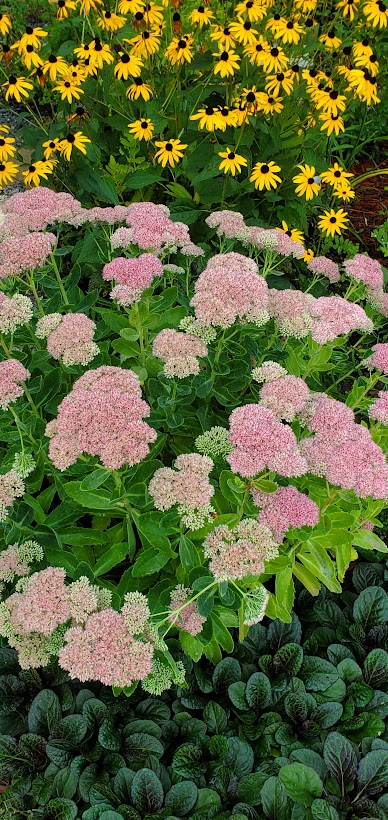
x: 30, y: 400
x: 17, y: 422
x: 370, y: 383
x: 58, y: 278
x: 30, y: 280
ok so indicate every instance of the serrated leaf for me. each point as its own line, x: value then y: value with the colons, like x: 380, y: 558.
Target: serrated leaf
x: 371, y: 607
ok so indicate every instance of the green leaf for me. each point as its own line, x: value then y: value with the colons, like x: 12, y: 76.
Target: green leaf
x: 45, y: 713
x: 288, y: 660
x: 321, y: 810
x: 12, y: 693
x: 108, y: 736
x: 239, y: 757
x: 140, y: 179
x: 372, y: 775
x: 340, y: 759
x: 273, y: 798
x: 226, y: 672
x: 188, y: 554
x: 258, y: 692
x: 369, y: 541
x: 250, y: 787
x: 376, y: 668
x: 86, y: 498
x: 371, y: 607
x: 236, y: 692
x: 301, y: 782
x: 113, y: 556
x: 140, y: 745
x: 181, y: 798
x: 215, y: 717
x: 102, y: 187
x: 148, y: 562
x: 60, y: 809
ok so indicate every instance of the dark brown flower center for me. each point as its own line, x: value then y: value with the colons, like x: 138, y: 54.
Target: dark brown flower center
x: 264, y: 168
x: 70, y: 138
x: 333, y: 219
x: 231, y: 155
x: 168, y: 146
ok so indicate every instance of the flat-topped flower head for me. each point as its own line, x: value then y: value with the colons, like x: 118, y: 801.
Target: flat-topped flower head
x: 362, y: 268
x: 234, y: 554
x: 230, y: 288
x: 69, y: 337
x: 12, y: 375
x: 285, y: 508
x: 261, y: 441
x: 179, y: 352
x: 378, y: 358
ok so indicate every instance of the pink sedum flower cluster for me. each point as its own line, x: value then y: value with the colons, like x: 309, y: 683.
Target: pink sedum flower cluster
x: 11, y: 487
x: 69, y: 337
x: 153, y: 230
x: 16, y: 559
x: 333, y: 316
x: 184, y: 613
x: 323, y: 266
x: 187, y: 485
x: 102, y: 416
x: 230, y: 288
x: 285, y: 508
x: 132, y: 276
x: 15, y: 311
x: 179, y: 352
x: 35, y: 209
x: 12, y: 374
x: 229, y: 224
x: 239, y: 552
x: 378, y: 358
x: 364, y: 269
x: 25, y: 252
x: 285, y: 396
x: 378, y: 411
x: 261, y: 441
x: 291, y: 311
x: 43, y: 605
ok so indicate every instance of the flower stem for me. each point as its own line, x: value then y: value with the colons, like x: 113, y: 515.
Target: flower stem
x: 59, y: 280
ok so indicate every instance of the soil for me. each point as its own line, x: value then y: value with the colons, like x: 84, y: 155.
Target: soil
x: 370, y: 208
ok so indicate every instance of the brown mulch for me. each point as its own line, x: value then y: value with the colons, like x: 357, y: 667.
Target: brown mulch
x: 370, y: 208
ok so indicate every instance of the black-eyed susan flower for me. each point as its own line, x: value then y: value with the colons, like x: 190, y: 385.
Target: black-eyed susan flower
x: 100, y: 53
x: 17, y: 88
x: 64, y: 7
x: 228, y: 116
x: 32, y: 37
x: 144, y: 44
x: 31, y: 58
x: 68, y: 89
x: 241, y: 112
x: 139, y: 89
x: 333, y: 222
x: 305, y: 6
x: 243, y: 32
x: 349, y: 8
x: 89, y: 5
x: 170, y: 152
x: 293, y: 233
x: 376, y: 13
x: 37, y: 171
x: 283, y: 81
x: 344, y: 192
x: 363, y: 85
x: 176, y: 23
x: 128, y: 66
x: 7, y: 147
x: 231, y: 162
x: 209, y: 118
x: 5, y: 23
x: 142, y: 129
x: 362, y: 48
x: 269, y: 104
x: 180, y: 50
x: 153, y: 14
x: 254, y: 10
x: 289, y: 31
x: 274, y: 60
x: 6, y: 53
x: 80, y: 115
x: 330, y: 40
x: 265, y: 175
x: 330, y: 101
x: 272, y: 23
x: 254, y: 52
x: 77, y: 140
x: 50, y: 147
x: 109, y: 21
x: 227, y: 64
x: 368, y: 61
x: 223, y: 36
x: 8, y: 172
x: 82, y: 51
x: 332, y: 123
x: 129, y: 6
x: 201, y: 16
x: 336, y: 176
x: 308, y: 254
x: 305, y: 182
x: 249, y: 97
x: 54, y: 66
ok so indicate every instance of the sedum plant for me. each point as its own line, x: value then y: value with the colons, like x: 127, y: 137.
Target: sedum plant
x: 183, y: 439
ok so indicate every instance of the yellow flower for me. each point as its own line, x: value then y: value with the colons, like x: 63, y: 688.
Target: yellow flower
x: 368, y: 61
x: 89, y: 5
x: 7, y: 147
x: 109, y: 21
x: 5, y: 24
x: 227, y: 63
x: 308, y: 254
x: 344, y: 192
x: 141, y: 129
x: 31, y: 37
x: 331, y: 101
x: 273, y: 24
x: 333, y: 222
x: 128, y: 66
x: 63, y: 8
x: 209, y: 118
x: 306, y: 6
x: 305, y: 182
x: 363, y: 85
x: 223, y: 36
x: 376, y: 13
x: 82, y: 51
x: 170, y: 152
x: 348, y: 8
x: 180, y: 50
x: 330, y: 40
x: 37, y: 171
x: 139, y: 89
x: 255, y: 51
x: 289, y: 32
x: 336, y: 176
x: 100, y: 53
x: 69, y: 90
x: 201, y: 16
x: 268, y: 104
x: 332, y: 123
x: 255, y: 11
x: 227, y: 116
x: 31, y: 58
x: 293, y: 233
x: 77, y: 140
x: 231, y: 162
x: 243, y: 32
x: 144, y: 44
x: 17, y: 88
x: 274, y: 60
x: 8, y: 172
x: 362, y: 49
x: 153, y: 14
x: 129, y: 6
x: 55, y: 65
x: 283, y: 81
x: 51, y: 147
x: 264, y: 175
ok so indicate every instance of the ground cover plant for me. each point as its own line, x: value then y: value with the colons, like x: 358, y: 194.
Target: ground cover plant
x: 174, y: 423
x: 263, y: 105
x: 292, y: 726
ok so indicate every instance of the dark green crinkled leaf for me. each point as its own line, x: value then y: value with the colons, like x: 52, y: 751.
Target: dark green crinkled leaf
x: 181, y: 798
x: 288, y: 660
x: 45, y: 713
x: 376, y: 668
x: 274, y: 798
x: 372, y: 774
x: 258, y: 691
x: 301, y: 783
x: 226, y: 672
x: 147, y: 791
x: 321, y: 810
x: 340, y: 759
x: 239, y: 757
x: 371, y: 607
x: 250, y: 787
x: 60, y: 809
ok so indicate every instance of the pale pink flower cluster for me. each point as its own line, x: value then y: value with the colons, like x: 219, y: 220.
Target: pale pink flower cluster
x: 104, y: 650
x: 378, y: 411
x: 69, y: 337
x: 285, y: 396
x: 132, y: 275
x: 241, y: 551
x: 179, y: 352
x: 378, y: 299
x: 185, y: 615
x: 11, y: 487
x: 324, y: 266
x: 102, y: 416
x: 364, y: 269
x: 263, y: 238
x: 333, y: 316
x: 285, y: 508
x: 342, y: 451
x: 15, y: 311
x: 268, y: 372
x: 289, y: 247
x: 261, y: 441
x: 187, y: 485
x: 42, y: 605
x: 37, y: 208
x: 229, y: 224
x: 230, y: 288
x: 291, y: 311
x: 121, y: 238
x: 12, y: 374
x: 135, y: 612
x: 26, y: 252
x: 378, y: 358
x: 16, y: 560
x: 153, y: 230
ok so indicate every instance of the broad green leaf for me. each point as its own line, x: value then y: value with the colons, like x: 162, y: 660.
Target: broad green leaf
x: 301, y: 783
x: 340, y: 759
